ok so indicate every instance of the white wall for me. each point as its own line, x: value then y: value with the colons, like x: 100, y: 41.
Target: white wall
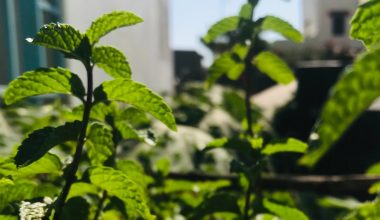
x: 146, y: 45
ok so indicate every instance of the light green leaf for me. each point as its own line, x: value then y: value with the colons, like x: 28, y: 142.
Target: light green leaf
x: 8, y: 217
x: 48, y: 164
x: 230, y: 63
x: 39, y: 142
x: 221, y: 27
x: 126, y: 131
x: 118, y: 184
x: 333, y: 202
x: 272, y: 65
x: 375, y: 188
x: 112, y: 61
x: 62, y: 37
x: 374, y: 169
x: 138, y: 95
x: 246, y: 11
x: 291, y: 145
x: 353, y: 94
x: 282, y: 27
x: 99, y: 143
x: 284, y: 212
x: 81, y: 189
x: 43, y: 81
x: 109, y: 22
x: 365, y: 24
x: 266, y: 216
x: 133, y: 170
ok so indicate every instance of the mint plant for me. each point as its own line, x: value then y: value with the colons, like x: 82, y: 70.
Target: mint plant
x: 98, y: 125
x: 240, y: 62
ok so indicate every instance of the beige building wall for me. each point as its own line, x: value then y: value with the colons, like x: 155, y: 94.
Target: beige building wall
x: 145, y: 45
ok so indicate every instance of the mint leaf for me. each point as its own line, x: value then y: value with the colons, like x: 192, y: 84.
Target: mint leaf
x: 99, y: 143
x: 284, y: 212
x: 43, y: 81
x: 112, y: 61
x: 109, y: 22
x: 118, y: 184
x: 62, y: 37
x: 246, y: 11
x: 352, y: 94
x: 291, y: 145
x: 272, y: 65
x: 81, y: 189
x: 282, y: 27
x: 230, y: 63
x: 39, y: 142
x: 138, y: 95
x: 221, y: 27
x: 365, y: 24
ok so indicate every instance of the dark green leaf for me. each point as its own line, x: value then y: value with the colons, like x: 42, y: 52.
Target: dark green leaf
x: 62, y: 37
x: 43, y: 81
x: 110, y: 22
x: 112, y: 61
x: 220, y: 202
x: 126, y: 131
x: 230, y: 63
x: 39, y: 142
x: 221, y: 27
x: 272, y: 65
x: 99, y: 144
x: 138, y: 95
x: 117, y: 183
x: 365, y: 24
x: 76, y: 209
x: 353, y: 94
x: 291, y: 145
x: 284, y: 212
x: 282, y: 27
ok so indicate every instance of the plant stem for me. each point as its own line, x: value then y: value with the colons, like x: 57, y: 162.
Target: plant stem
x: 248, y: 200
x: 100, y: 205
x: 248, y: 109
x: 70, y: 177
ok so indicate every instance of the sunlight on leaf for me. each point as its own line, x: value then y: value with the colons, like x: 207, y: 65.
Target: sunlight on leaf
x: 291, y: 145
x: 43, y: 81
x: 221, y: 27
x: 282, y: 27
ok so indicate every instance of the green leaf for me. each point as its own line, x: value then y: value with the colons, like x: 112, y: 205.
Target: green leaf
x: 112, y: 61
x: 353, y: 94
x: 76, y: 209
x: 81, y: 189
x: 221, y: 27
x: 246, y: 11
x: 23, y: 190
x: 138, y: 95
x: 230, y: 63
x: 220, y: 202
x: 133, y: 170
x: 284, y: 212
x: 291, y: 145
x: 99, y: 144
x: 243, y: 149
x: 62, y: 37
x: 272, y: 65
x: 39, y: 142
x: 118, y: 184
x: 126, y: 131
x: 282, y: 27
x: 365, y: 24
x: 43, y: 81
x: 48, y: 164
x: 8, y: 217
x: 374, y: 169
x: 375, y: 188
x: 109, y: 22
x: 266, y: 216
x: 332, y: 202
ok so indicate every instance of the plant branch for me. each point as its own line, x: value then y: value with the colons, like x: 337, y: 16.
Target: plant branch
x: 247, y: 202
x: 324, y: 184
x: 100, y: 205
x: 70, y: 177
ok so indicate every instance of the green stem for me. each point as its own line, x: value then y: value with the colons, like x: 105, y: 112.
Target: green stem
x: 248, y: 200
x: 70, y: 177
x: 100, y: 205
